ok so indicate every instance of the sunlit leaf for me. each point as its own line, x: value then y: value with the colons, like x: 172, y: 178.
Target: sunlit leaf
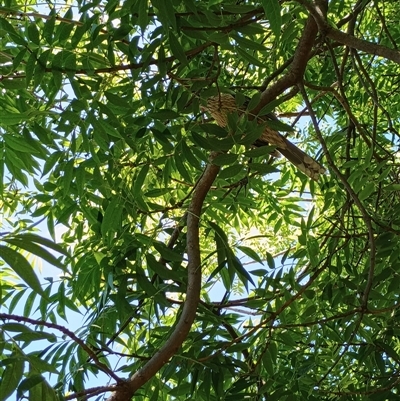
x: 21, y: 266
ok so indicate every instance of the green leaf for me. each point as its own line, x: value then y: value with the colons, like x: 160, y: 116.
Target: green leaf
x: 164, y: 114
x: 279, y: 126
x: 30, y: 67
x: 29, y: 303
x: 287, y: 338
x: 22, y: 267
x: 270, y: 260
x: 231, y: 171
x: 201, y: 141
x: 161, y: 269
x: 250, y: 253
x: 263, y: 168
x: 260, y: 151
x: 237, y: 347
x: 167, y: 253
x: 115, y: 100
x: 166, y: 13
x: 313, y: 250
x: 49, y: 28
x: 11, y: 376
x: 16, y: 37
x: 42, y: 391
x: 14, y: 84
x: 272, y: 10
x: 238, y: 266
x: 367, y: 191
x: 254, y: 101
x: 122, y: 31
x: 33, y: 33
x: 146, y: 285
x: 251, y: 59
x: 214, y: 129
x: 177, y: 49
x: 109, y: 129
x: 141, y: 203
x: 15, y: 301
x: 16, y: 327
x: 155, y: 193
x: 269, y: 108
x: 393, y: 187
x: 224, y: 159
x: 252, y: 133
x: 68, y: 174
x: 143, y: 14
x: 182, y: 168
x: 268, y: 363
x: 36, y: 250
x: 249, y: 44
x: 190, y: 157
x: 63, y: 31
x: 219, y: 232
x: 140, y: 178
x: 389, y: 350
x: 18, y: 59
x: 112, y: 217
x: 7, y: 119
x: 259, y: 272
x: 28, y: 383
x: 43, y: 241
x: 35, y: 336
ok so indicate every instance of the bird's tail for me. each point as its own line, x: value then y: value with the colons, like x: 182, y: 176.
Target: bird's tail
x: 301, y: 160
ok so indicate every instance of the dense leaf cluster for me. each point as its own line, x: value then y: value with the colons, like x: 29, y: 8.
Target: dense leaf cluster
x: 104, y: 132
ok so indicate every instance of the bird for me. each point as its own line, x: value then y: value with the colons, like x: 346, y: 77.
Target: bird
x: 219, y: 107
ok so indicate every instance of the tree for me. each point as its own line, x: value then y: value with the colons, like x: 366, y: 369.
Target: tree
x: 105, y: 131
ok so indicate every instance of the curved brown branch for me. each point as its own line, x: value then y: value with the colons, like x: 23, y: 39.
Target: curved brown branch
x: 335, y: 34
x: 126, y: 390
x: 296, y: 70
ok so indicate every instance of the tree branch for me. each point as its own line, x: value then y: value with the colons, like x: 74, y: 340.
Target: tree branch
x: 335, y: 34
x: 296, y: 70
x: 68, y: 333
x: 126, y: 390
x: 365, y: 215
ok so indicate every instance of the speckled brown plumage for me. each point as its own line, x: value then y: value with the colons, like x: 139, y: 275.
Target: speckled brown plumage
x: 220, y: 106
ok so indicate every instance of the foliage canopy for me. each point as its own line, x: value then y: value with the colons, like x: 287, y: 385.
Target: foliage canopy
x: 202, y: 267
